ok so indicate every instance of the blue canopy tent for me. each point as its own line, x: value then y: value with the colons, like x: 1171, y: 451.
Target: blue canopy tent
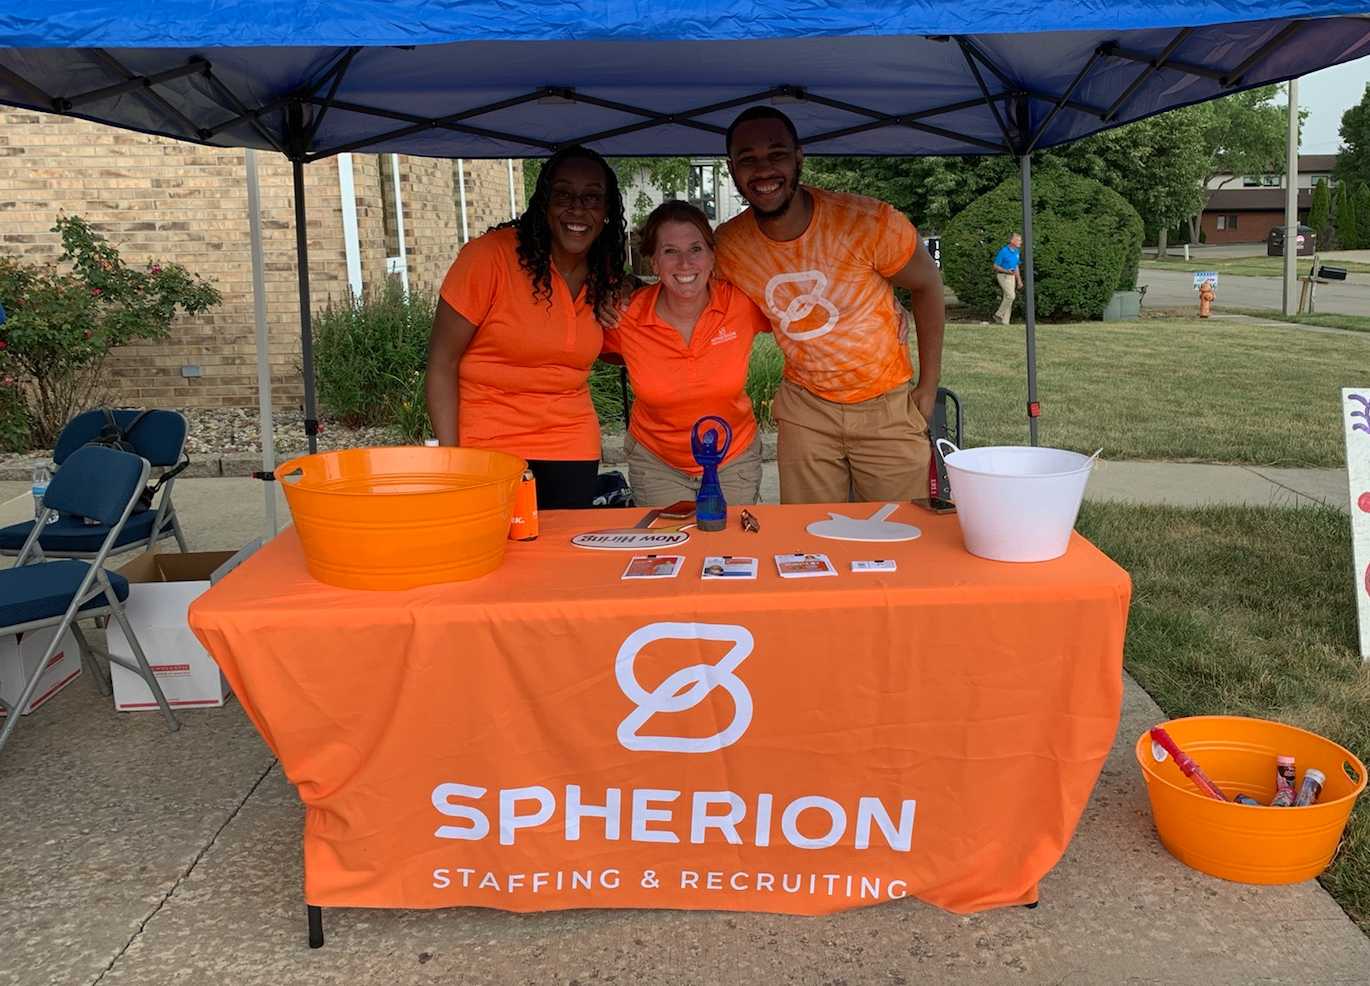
x: 519, y: 78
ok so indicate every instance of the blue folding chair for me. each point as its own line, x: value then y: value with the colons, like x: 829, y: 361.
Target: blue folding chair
x: 104, y: 484
x: 159, y: 437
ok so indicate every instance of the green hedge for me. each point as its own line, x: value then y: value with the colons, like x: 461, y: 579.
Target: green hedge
x: 370, y: 356
x: 1087, y: 243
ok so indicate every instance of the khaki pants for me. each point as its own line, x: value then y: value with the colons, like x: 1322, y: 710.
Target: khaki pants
x: 656, y: 484
x: 830, y: 453
x: 1008, y: 285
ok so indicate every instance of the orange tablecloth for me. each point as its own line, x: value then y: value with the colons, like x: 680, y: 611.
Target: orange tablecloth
x: 826, y: 743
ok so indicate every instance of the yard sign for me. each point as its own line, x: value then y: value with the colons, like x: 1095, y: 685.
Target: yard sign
x: 1205, y: 275
x: 1356, y: 407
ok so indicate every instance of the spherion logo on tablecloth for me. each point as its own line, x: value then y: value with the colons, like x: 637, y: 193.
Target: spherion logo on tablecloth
x: 684, y: 689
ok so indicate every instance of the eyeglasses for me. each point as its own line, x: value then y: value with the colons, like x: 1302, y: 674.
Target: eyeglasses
x: 589, y: 201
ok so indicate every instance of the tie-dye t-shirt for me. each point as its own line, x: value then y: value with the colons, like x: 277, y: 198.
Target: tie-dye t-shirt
x: 827, y: 294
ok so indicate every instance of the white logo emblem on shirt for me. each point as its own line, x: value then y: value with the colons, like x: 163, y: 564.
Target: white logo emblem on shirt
x: 724, y: 335
x: 802, y: 304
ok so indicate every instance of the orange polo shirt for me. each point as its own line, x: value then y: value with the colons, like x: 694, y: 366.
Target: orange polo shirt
x: 827, y: 292
x: 524, y: 377
x: 675, y: 383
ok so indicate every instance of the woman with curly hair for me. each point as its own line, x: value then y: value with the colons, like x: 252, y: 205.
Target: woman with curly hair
x: 518, y: 328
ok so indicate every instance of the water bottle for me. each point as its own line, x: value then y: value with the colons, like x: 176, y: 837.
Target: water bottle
x: 711, y: 509
x: 41, y: 477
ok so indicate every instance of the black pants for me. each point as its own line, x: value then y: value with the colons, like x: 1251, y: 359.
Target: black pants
x: 565, y: 484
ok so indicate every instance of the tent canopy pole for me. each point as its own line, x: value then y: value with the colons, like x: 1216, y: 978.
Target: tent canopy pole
x: 1029, y: 280
x: 254, y: 223
x: 311, y: 418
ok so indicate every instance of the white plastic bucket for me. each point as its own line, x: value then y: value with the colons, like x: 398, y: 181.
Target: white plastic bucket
x: 1016, y: 503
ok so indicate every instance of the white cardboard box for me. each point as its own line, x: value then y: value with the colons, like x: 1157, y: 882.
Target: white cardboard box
x: 20, y: 654
x: 161, y: 589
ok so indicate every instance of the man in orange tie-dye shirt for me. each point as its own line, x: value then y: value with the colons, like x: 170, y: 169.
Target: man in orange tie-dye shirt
x: 822, y: 265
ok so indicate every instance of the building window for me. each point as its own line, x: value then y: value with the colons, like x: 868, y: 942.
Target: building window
x: 703, y: 188
x: 1251, y: 181
x: 1227, y: 221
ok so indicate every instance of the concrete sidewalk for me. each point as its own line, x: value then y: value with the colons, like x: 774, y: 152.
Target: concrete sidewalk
x: 134, y: 856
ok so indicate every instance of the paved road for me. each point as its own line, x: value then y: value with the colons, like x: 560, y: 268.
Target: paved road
x: 1175, y: 289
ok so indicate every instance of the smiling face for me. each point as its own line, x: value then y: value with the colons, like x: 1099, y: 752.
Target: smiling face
x: 576, y: 206
x: 765, y: 165
x: 683, y: 260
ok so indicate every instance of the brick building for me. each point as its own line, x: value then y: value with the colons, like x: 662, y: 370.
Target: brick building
x: 1245, y: 208
x: 153, y: 197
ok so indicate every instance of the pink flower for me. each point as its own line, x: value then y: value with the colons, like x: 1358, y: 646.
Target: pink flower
x: 95, y: 291
x: 3, y: 345
x: 156, y: 269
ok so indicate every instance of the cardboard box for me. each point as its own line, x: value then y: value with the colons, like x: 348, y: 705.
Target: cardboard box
x: 161, y: 589
x: 20, y: 654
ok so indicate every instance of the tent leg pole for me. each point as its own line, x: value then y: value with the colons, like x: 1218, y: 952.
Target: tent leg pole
x: 1029, y: 300
x: 311, y: 419
x: 254, y: 222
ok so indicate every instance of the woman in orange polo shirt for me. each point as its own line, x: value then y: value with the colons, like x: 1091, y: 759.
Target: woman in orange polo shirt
x: 517, y: 329
x: 686, y: 341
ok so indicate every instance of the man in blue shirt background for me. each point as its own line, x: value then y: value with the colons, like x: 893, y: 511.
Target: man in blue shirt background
x: 1008, y: 272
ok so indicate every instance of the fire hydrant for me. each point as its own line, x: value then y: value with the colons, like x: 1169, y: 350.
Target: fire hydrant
x: 1206, y: 296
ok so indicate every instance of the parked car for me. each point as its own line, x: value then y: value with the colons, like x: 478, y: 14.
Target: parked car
x: 1307, y: 244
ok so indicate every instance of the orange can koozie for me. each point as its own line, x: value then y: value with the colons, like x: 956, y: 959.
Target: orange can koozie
x: 523, y: 525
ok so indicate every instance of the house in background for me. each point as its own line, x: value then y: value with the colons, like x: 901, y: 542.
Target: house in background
x: 709, y: 186
x: 371, y: 216
x: 1244, y: 208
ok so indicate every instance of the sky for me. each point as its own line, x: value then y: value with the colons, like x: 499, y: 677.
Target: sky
x: 1327, y: 95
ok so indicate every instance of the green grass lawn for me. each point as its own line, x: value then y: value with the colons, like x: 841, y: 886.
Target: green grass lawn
x: 1249, y: 266
x: 1173, y: 389
x: 1249, y: 611
x: 1161, y: 389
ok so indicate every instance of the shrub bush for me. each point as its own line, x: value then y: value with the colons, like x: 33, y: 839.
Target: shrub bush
x: 1087, y: 243
x: 370, y: 356
x: 14, y: 417
x: 64, y: 318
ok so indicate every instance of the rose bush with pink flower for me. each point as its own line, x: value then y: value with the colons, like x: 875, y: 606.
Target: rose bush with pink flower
x: 65, y: 317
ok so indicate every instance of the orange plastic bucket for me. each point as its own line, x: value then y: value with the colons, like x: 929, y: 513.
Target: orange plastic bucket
x: 1247, y: 843
x: 396, y: 518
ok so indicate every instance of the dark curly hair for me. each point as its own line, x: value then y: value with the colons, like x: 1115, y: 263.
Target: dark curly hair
x: 608, y: 256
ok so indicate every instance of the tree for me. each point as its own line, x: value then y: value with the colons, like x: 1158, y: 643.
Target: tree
x: 1347, y: 228
x: 64, y: 318
x: 930, y: 190
x: 1362, y: 203
x: 1320, y: 211
x: 1353, y: 160
x: 1159, y: 165
x: 1245, y: 134
x: 1088, y: 244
